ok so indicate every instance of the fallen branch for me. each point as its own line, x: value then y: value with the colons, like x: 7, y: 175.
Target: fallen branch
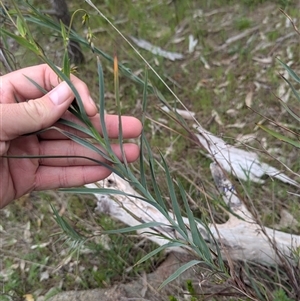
x: 241, y: 237
x: 243, y: 164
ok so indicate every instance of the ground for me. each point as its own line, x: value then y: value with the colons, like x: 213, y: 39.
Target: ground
x: 233, y: 67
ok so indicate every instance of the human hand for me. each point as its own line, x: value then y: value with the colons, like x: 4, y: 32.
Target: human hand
x: 20, y: 176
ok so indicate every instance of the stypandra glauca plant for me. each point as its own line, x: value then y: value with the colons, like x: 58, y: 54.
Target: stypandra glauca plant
x: 18, y: 24
x: 18, y: 28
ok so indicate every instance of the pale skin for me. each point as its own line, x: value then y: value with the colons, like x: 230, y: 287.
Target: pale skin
x: 35, y: 111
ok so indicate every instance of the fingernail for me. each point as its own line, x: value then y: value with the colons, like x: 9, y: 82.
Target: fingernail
x: 60, y: 93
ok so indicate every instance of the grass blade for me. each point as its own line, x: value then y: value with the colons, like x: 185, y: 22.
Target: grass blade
x: 134, y: 228
x: 158, y: 194
x: 65, y: 226
x: 175, y: 205
x: 41, y: 89
x: 290, y: 71
x: 117, y: 96
x: 76, y: 126
x: 293, y: 114
x: 293, y: 88
x: 179, y: 271
x: 280, y: 137
x: 199, y: 244
x: 143, y: 137
x: 159, y: 249
x: 86, y: 144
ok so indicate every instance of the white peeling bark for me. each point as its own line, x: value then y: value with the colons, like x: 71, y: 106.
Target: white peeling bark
x: 240, y: 238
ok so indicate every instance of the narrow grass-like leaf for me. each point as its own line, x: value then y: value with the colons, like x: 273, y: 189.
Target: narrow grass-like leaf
x: 144, y: 108
x: 76, y: 126
x: 175, y: 205
x: 79, y: 140
x: 293, y: 88
x: 292, y: 113
x: 22, y: 41
x: 158, y: 194
x: 46, y: 21
x: 199, y: 244
x: 63, y: 33
x: 41, y: 89
x: 134, y: 228
x: 142, y: 160
x: 22, y: 20
x: 72, y: 110
x: 117, y: 96
x: 280, y: 136
x: 65, y: 226
x: 59, y: 157
x: 86, y: 144
x: 137, y: 52
x: 20, y: 26
x: 105, y: 191
x: 66, y: 60
x: 253, y: 284
x: 66, y: 64
x: 290, y: 71
x: 159, y: 249
x: 179, y: 271
x: 102, y: 106
x: 66, y: 78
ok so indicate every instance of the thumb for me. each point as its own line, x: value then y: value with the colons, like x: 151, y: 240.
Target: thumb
x: 27, y: 117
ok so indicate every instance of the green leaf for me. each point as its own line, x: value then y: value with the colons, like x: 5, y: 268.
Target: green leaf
x: 76, y: 126
x: 199, y: 244
x: 159, y: 249
x: 290, y: 71
x: 21, y: 28
x: 83, y: 116
x: 66, y: 64
x: 63, y: 33
x: 65, y: 226
x: 292, y: 113
x: 41, y: 89
x: 158, y: 194
x: 45, y: 21
x: 106, y: 191
x: 179, y: 271
x: 59, y: 157
x: 86, y: 144
x: 22, y: 41
x: 142, y: 161
x: 143, y: 137
x: 175, y: 205
x: 280, y: 137
x: 117, y: 97
x: 293, y: 89
x: 134, y: 228
x: 102, y: 106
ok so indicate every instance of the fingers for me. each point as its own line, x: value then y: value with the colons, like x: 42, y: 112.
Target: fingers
x: 71, y: 149
x: 27, y: 117
x: 54, y: 177
x: 131, y: 127
x: 15, y: 85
